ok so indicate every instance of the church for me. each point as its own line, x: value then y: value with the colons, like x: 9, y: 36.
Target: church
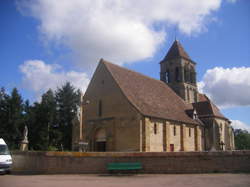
x: 125, y: 111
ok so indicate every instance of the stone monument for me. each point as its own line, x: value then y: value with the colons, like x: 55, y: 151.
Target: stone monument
x: 24, y: 142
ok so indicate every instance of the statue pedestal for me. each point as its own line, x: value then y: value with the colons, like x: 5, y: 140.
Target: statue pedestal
x: 83, y: 146
x: 24, y: 145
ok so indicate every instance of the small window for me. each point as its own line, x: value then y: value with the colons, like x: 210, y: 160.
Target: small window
x: 189, y: 132
x: 100, y: 108
x: 155, y: 128
x: 174, y: 130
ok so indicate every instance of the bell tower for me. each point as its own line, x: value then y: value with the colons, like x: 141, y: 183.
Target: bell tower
x: 178, y: 72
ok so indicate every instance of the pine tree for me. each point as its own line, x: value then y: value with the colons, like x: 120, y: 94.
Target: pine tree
x: 67, y: 98
x: 49, y: 107
x: 3, y: 113
x: 14, y: 119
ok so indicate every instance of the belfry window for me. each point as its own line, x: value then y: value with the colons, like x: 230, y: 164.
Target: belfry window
x: 167, y: 76
x: 177, y: 74
x: 155, y: 128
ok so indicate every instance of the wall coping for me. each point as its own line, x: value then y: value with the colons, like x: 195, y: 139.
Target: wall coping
x: 132, y: 154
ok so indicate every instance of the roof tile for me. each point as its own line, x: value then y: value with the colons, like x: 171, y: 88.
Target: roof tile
x: 150, y: 96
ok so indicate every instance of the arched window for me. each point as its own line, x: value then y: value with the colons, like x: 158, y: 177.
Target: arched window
x: 155, y: 128
x: 177, y: 76
x: 186, y: 74
x: 192, y: 75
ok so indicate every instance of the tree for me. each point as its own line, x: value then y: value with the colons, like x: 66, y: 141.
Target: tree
x: 12, y: 121
x: 49, y: 107
x: 3, y: 113
x: 68, y: 99
x: 242, y: 139
x: 41, y: 120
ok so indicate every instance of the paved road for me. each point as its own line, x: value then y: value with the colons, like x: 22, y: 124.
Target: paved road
x: 173, y: 180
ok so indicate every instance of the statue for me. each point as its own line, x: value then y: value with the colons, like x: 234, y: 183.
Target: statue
x: 25, y: 133
x: 78, y: 113
x: 25, y: 142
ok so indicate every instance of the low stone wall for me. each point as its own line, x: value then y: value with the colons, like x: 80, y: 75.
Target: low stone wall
x: 160, y: 162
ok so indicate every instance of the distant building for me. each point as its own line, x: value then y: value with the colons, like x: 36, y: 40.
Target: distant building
x: 128, y: 111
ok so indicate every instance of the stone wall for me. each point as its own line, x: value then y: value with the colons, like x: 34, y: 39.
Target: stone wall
x: 160, y: 162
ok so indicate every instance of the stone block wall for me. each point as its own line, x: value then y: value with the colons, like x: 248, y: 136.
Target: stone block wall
x: 153, y: 162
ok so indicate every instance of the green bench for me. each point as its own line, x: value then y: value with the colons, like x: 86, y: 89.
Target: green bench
x: 124, y: 166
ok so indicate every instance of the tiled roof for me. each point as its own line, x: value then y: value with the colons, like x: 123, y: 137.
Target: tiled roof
x: 176, y: 51
x: 149, y: 96
x: 206, y: 108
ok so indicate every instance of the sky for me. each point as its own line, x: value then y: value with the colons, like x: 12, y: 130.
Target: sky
x: 45, y: 43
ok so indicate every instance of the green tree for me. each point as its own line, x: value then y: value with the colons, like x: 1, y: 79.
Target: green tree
x: 3, y: 113
x: 49, y: 107
x: 242, y: 139
x: 67, y: 98
x: 12, y: 114
x: 41, y: 120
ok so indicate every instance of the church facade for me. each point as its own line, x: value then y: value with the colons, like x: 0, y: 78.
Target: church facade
x: 123, y: 110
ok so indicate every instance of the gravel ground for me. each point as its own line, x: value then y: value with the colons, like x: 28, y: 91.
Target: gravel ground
x: 157, y: 180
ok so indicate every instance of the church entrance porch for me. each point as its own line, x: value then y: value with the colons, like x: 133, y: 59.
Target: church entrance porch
x: 100, y: 140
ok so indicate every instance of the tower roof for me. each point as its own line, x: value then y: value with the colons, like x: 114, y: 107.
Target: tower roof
x: 177, y: 51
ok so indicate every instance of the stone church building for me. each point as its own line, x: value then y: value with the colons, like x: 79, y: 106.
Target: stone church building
x: 123, y: 110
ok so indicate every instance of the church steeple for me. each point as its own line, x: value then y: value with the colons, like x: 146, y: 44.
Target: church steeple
x: 178, y: 71
x: 176, y: 51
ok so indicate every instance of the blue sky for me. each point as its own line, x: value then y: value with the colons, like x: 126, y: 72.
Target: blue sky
x: 43, y: 44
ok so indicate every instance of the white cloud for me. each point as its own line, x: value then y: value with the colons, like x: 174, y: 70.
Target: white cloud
x: 122, y: 31
x: 39, y: 77
x: 227, y: 87
x: 240, y: 125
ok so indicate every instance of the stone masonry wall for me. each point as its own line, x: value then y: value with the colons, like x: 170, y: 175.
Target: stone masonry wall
x: 160, y: 162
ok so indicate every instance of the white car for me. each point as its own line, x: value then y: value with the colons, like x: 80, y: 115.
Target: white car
x: 5, y: 157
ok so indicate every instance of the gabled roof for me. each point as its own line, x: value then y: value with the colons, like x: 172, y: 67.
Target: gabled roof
x: 149, y: 96
x: 206, y: 108
x: 177, y: 51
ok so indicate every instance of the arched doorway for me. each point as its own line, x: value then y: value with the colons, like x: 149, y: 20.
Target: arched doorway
x: 100, y: 140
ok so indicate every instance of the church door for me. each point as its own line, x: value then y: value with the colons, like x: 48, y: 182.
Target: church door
x: 172, y: 147
x: 100, y: 140
x: 100, y: 146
